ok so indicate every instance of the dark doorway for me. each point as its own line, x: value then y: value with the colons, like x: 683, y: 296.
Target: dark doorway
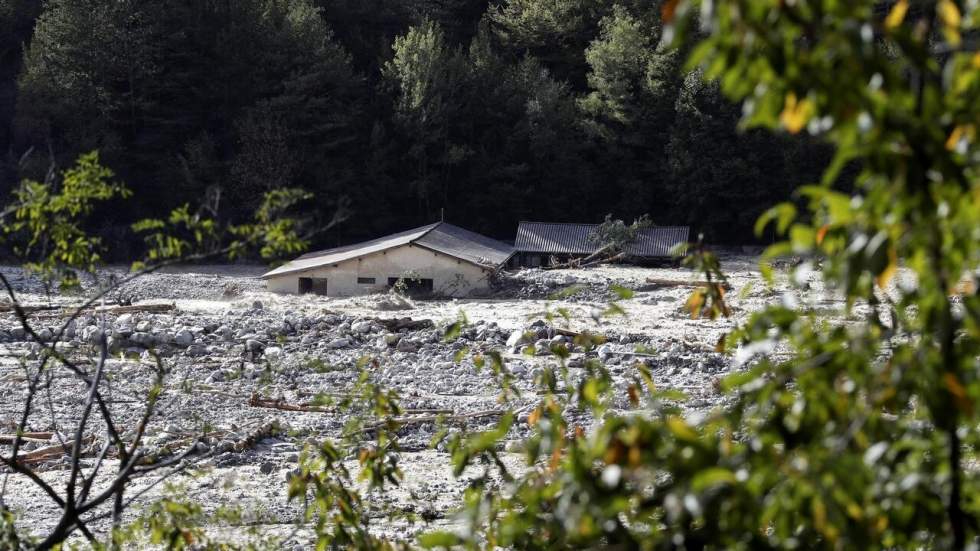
x: 413, y: 286
x: 305, y: 285
x: 314, y: 285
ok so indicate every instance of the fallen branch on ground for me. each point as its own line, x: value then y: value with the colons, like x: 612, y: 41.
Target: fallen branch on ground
x: 406, y: 421
x: 37, y: 437
x: 143, y: 308
x: 395, y: 325
x: 258, y: 402
x: 685, y: 283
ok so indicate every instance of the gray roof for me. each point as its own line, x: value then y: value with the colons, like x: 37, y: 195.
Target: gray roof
x: 440, y: 237
x: 559, y: 238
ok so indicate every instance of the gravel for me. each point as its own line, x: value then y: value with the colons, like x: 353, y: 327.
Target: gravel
x: 228, y: 340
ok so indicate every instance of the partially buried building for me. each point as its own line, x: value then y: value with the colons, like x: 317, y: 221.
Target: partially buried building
x: 542, y: 243
x: 439, y: 259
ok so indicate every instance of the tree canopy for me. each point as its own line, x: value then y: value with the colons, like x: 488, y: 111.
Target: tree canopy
x: 491, y: 112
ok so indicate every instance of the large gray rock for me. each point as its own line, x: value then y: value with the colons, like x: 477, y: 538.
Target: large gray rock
x: 196, y: 350
x: 515, y: 338
x: 184, y: 337
x: 605, y: 352
x: 339, y: 343
x: 145, y: 340
x: 253, y: 345
x: 362, y: 327
x: 407, y: 345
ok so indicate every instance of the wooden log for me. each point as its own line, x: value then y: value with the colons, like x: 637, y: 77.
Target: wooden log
x: 36, y: 437
x: 258, y: 402
x: 142, y: 308
x: 406, y: 421
x: 145, y: 308
x: 397, y: 324
x: 684, y: 283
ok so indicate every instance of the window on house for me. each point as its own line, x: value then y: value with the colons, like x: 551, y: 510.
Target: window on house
x: 366, y: 280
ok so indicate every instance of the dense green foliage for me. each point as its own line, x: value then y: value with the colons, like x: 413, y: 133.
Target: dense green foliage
x: 849, y: 428
x: 491, y: 111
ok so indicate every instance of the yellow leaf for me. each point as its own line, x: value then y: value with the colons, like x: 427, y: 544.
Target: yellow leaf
x: 681, y: 429
x: 695, y: 302
x: 949, y: 14
x: 635, y: 455
x: 796, y: 113
x: 532, y: 419
x: 888, y: 273
x: 976, y: 60
x: 956, y: 135
x: 897, y: 14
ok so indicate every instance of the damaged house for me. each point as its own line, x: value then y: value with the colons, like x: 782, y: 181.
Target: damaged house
x: 439, y: 259
x: 545, y: 243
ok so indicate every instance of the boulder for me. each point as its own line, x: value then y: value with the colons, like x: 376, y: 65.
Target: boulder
x: 339, y: 343
x: 362, y: 327
x: 515, y: 338
x: 196, y: 350
x: 184, y: 337
x: 604, y: 351
x: 407, y: 345
x: 146, y: 340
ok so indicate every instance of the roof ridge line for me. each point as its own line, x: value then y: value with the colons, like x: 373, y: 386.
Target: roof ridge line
x: 432, y: 226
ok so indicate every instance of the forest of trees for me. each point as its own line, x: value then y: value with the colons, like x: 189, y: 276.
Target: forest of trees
x: 491, y: 111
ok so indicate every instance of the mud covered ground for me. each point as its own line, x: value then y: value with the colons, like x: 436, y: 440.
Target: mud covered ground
x: 227, y: 342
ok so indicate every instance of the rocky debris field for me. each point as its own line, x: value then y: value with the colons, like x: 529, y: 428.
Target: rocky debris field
x: 244, y: 368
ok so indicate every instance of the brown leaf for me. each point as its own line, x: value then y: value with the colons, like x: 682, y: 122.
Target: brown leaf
x: 668, y: 10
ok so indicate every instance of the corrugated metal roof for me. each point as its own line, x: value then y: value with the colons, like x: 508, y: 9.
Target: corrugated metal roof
x: 559, y: 238
x: 441, y: 237
x: 466, y: 245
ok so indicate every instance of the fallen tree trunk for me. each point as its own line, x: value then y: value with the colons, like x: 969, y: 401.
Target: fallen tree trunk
x: 258, y: 402
x: 34, y: 308
x: 397, y: 324
x: 406, y: 421
x: 588, y: 262
x: 36, y: 437
x: 143, y: 308
x: 685, y: 283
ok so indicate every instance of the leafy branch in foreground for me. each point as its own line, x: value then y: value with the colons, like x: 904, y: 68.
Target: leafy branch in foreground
x: 46, y: 224
x: 850, y: 428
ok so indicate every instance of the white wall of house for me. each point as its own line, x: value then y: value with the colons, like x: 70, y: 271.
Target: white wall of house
x: 450, y: 277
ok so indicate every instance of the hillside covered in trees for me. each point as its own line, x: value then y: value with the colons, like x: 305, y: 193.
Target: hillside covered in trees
x: 491, y: 110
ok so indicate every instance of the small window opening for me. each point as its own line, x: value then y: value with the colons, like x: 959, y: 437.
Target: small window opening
x: 366, y: 280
